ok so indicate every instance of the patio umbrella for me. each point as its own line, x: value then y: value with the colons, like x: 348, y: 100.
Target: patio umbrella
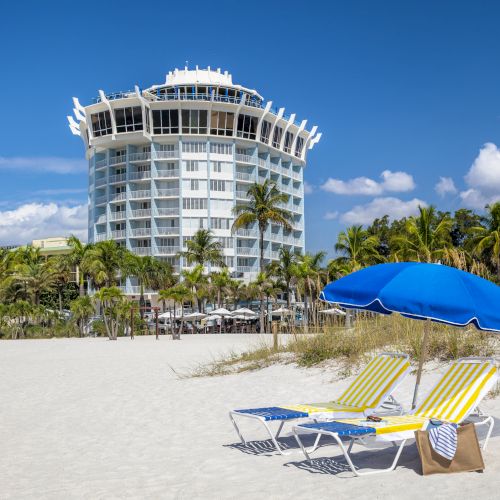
x: 221, y: 312
x: 195, y: 316
x: 422, y: 291
x: 333, y: 311
x: 281, y: 311
x: 244, y: 311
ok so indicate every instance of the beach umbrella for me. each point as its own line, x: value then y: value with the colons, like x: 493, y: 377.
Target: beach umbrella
x: 194, y: 316
x: 221, y: 312
x: 244, y: 311
x: 281, y: 311
x: 416, y: 290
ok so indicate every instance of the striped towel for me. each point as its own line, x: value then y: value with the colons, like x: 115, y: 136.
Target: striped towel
x: 444, y: 440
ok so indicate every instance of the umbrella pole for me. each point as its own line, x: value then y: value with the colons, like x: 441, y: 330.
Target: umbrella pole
x: 423, y: 352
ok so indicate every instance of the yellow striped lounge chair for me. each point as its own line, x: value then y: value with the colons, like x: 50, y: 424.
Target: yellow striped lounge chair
x: 370, y: 392
x: 454, y: 398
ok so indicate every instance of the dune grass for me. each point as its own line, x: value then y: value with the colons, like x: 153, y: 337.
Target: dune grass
x: 370, y: 334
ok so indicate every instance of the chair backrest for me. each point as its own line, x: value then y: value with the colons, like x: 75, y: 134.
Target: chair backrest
x: 376, y: 382
x: 458, y: 392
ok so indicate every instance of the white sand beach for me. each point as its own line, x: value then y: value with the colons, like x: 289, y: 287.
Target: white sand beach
x: 91, y: 418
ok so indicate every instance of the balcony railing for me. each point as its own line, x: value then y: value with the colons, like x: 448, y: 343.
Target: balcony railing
x: 100, y: 182
x: 162, y: 172
x: 244, y: 269
x: 141, y: 212
x: 262, y: 163
x: 136, y: 290
x: 139, y: 156
x: 119, y: 235
x: 118, y: 197
x: 100, y: 200
x: 168, y: 250
x: 166, y: 231
x: 247, y: 233
x: 100, y: 237
x: 243, y: 176
x: 113, y: 160
x: 165, y: 193
x: 101, y: 163
x: 140, y: 193
x: 166, y: 212
x: 165, y: 155
x: 120, y: 215
x: 141, y: 251
x: 244, y: 159
x: 144, y: 174
x: 101, y: 219
x: 247, y: 251
x: 141, y: 231
x: 241, y: 194
x: 117, y: 178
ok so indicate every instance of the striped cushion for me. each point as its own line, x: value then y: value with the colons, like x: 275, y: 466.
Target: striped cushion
x: 391, y: 424
x: 274, y: 413
x: 326, y: 407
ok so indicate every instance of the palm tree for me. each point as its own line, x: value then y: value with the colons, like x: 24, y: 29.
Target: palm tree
x: 236, y: 289
x: 179, y: 294
x: 111, y: 299
x: 357, y: 248
x: 487, y: 239
x: 284, y: 269
x: 196, y: 282
x: 203, y: 249
x: 77, y: 257
x: 257, y: 289
x: 220, y: 282
x: 82, y: 310
x: 427, y: 236
x: 263, y: 208
x: 62, y: 268
x: 103, y: 262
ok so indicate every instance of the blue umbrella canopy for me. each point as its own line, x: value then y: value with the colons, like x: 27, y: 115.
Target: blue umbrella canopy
x: 420, y: 291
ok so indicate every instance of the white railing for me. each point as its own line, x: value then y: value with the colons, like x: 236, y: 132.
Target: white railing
x: 142, y: 251
x: 100, y: 237
x: 118, y: 197
x: 141, y: 212
x: 100, y: 199
x: 163, y: 155
x: 145, y: 174
x: 140, y: 193
x: 243, y: 176
x: 100, y: 163
x: 262, y: 163
x: 161, y: 193
x: 139, y: 156
x: 168, y: 250
x: 136, y: 290
x: 100, y: 182
x: 120, y: 234
x: 113, y: 160
x: 100, y: 219
x: 167, y: 211
x: 295, y: 175
x: 247, y: 233
x: 241, y: 194
x: 141, y: 231
x: 161, y: 172
x: 117, y: 215
x: 275, y: 255
x: 244, y: 269
x: 244, y: 158
x: 290, y: 240
x: 117, y: 178
x: 275, y: 168
x: 246, y: 251
x: 166, y: 231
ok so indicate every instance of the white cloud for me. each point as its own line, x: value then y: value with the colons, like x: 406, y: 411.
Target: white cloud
x: 331, y: 215
x: 445, y: 186
x: 308, y: 188
x: 396, y: 182
x: 61, y: 191
x: 37, y: 220
x: 483, y: 178
x: 393, y: 207
x: 52, y: 164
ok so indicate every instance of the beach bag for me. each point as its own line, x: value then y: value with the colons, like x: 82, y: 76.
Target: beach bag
x: 467, y: 458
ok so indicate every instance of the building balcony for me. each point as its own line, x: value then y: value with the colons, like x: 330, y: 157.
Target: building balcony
x: 166, y: 231
x: 247, y: 251
x: 100, y: 200
x: 118, y: 197
x: 167, y: 173
x: 113, y: 179
x: 166, y: 193
x: 136, y: 290
x: 141, y: 212
x: 139, y: 176
x: 141, y: 251
x: 140, y: 193
x: 140, y: 231
x: 173, y: 250
x: 119, y: 235
x: 244, y: 269
x: 242, y: 195
x: 101, y: 163
x: 139, y: 156
x: 247, y: 233
x: 101, y: 181
x: 167, y: 212
x: 243, y: 176
x: 100, y: 237
x: 117, y: 215
x: 115, y: 160
x: 244, y: 159
x: 100, y: 219
x: 165, y: 155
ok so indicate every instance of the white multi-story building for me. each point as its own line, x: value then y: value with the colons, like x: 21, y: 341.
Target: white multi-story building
x: 173, y: 158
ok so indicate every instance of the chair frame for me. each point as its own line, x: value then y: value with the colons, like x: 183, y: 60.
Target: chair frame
x: 474, y: 412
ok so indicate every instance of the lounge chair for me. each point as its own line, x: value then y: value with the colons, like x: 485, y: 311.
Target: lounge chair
x: 369, y: 392
x: 454, y: 398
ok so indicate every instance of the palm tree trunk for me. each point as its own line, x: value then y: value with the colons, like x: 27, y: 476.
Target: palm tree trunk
x: 261, y: 249
x: 142, y: 301
x: 262, y: 329
x: 59, y: 296
x: 81, y: 284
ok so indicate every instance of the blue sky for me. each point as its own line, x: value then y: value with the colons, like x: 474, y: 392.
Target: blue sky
x: 404, y: 93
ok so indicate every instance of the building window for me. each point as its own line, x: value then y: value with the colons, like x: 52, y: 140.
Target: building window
x: 265, y: 131
x: 194, y: 147
x: 191, y: 165
x: 101, y: 123
x: 128, y: 119
x: 166, y: 147
x: 226, y: 242
x: 220, y: 223
x: 216, y: 166
x: 195, y: 185
x: 166, y: 121
x: 278, y: 132
x: 194, y: 203
x: 229, y: 261
x: 217, y: 185
x: 148, y: 128
x: 221, y: 149
x: 287, y: 148
x: 221, y: 123
x: 247, y: 126
x: 299, y: 146
x: 194, y: 121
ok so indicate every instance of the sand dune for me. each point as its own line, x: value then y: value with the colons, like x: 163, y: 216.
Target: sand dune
x: 90, y: 418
